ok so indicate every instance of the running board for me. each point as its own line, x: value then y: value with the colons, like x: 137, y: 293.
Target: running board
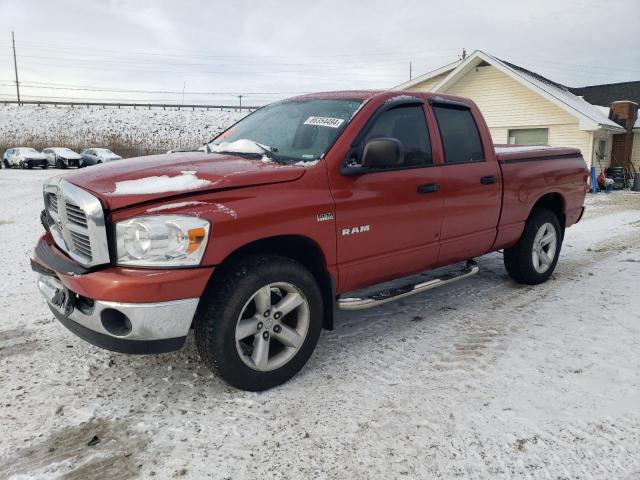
x: 391, y: 294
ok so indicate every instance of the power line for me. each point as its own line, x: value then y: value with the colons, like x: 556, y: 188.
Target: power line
x: 115, y: 90
x: 188, y: 53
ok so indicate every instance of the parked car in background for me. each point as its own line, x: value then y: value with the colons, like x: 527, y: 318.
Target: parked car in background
x: 24, y: 157
x: 93, y: 156
x: 62, y: 157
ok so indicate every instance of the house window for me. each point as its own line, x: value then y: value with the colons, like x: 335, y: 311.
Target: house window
x: 529, y: 136
x: 601, y: 150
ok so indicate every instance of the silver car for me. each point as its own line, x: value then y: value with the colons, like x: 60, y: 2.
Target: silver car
x: 24, y: 157
x: 94, y: 156
x: 62, y: 157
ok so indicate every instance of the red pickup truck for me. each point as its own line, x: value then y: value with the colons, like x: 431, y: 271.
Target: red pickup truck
x: 256, y: 241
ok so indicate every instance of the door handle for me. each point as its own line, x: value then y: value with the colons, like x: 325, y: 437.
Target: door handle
x: 428, y: 188
x: 488, y: 179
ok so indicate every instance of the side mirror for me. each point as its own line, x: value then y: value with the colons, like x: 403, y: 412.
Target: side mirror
x: 382, y: 153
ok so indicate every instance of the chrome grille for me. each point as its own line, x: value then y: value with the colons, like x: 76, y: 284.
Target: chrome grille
x: 52, y: 202
x: 78, y: 226
x: 82, y: 243
x: 76, y: 215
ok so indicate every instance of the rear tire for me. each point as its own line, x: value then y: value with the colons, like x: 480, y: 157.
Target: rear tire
x: 533, y: 259
x: 263, y: 303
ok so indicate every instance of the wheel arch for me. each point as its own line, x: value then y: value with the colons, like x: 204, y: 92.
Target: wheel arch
x: 300, y: 248
x: 554, y: 202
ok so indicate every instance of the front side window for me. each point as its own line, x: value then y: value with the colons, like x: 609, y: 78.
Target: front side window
x: 529, y: 136
x: 291, y: 131
x: 459, y: 134
x: 408, y: 125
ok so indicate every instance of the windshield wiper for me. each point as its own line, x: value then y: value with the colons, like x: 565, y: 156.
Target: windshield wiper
x: 267, y: 151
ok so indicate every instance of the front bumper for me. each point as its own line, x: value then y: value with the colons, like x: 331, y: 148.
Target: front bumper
x: 37, y: 163
x: 123, y: 310
x: 121, y: 327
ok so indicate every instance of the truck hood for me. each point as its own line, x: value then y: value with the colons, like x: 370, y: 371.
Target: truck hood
x: 144, y: 179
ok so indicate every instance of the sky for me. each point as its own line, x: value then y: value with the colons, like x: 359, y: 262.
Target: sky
x: 153, y: 51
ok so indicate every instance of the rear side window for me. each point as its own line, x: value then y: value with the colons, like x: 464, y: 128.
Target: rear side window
x: 407, y: 124
x: 460, y: 136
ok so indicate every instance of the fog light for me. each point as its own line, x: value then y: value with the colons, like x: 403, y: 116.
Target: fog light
x: 115, y: 322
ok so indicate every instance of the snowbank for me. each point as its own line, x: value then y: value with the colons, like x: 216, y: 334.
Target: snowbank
x: 63, y: 126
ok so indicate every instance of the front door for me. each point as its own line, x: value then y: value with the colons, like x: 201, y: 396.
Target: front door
x: 388, y: 221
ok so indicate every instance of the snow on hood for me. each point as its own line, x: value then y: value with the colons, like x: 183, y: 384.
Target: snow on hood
x: 239, y: 146
x: 34, y: 155
x: 187, y: 180
x: 134, y: 180
x: 66, y: 153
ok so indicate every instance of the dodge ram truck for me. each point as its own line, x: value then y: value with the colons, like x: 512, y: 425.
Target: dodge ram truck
x: 257, y: 241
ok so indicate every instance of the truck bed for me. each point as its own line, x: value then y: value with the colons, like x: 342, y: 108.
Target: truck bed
x: 531, y: 172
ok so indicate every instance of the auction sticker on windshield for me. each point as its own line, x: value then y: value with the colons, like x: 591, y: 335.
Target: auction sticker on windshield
x: 324, y: 122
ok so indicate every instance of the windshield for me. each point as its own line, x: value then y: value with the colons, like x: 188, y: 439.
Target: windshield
x: 27, y: 150
x: 295, y: 130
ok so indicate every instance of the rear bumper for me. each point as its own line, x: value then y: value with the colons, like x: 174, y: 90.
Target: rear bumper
x: 123, y: 310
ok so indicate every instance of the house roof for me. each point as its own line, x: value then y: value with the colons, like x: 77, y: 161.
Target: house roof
x: 589, y: 115
x: 427, y: 76
x: 609, y: 93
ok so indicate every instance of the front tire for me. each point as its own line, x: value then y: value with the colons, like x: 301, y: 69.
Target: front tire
x: 259, y: 321
x: 533, y: 259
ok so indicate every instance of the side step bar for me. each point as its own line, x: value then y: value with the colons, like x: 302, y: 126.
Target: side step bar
x: 390, y: 294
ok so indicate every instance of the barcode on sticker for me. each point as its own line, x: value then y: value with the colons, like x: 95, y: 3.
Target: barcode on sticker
x: 324, y: 122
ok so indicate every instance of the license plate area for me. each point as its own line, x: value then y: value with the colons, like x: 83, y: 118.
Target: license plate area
x: 56, y: 293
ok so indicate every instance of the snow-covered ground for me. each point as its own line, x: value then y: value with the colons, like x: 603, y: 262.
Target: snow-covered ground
x: 479, y: 379
x: 82, y: 127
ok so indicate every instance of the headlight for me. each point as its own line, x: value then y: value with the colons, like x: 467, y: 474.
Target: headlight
x: 162, y: 241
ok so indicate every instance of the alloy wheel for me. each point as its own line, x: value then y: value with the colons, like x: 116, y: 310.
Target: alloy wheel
x: 545, y: 244
x: 272, y: 326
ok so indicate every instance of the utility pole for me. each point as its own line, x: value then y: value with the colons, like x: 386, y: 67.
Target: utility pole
x: 240, y: 98
x: 410, y: 71
x: 15, y: 66
x: 464, y: 53
x: 184, y: 85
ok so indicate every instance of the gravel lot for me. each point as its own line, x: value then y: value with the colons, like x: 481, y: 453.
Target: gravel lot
x: 479, y: 379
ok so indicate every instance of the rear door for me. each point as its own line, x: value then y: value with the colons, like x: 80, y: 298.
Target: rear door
x: 472, y: 187
x: 388, y: 221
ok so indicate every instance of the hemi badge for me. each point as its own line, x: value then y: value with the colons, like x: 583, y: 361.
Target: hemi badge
x: 323, y: 217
